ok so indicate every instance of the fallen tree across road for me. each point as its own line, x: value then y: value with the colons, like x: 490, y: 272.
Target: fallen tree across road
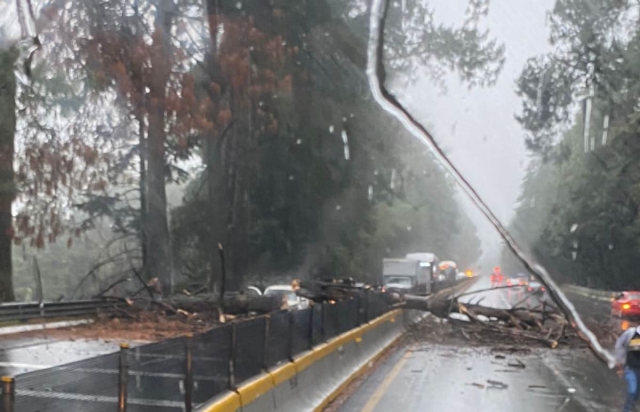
x: 543, y: 323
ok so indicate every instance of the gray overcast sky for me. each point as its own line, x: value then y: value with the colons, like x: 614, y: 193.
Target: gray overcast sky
x: 477, y: 127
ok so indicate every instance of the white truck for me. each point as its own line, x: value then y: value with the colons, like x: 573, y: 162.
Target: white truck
x: 413, y: 274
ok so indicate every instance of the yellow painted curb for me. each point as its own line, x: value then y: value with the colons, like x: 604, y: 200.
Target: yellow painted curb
x: 255, y: 388
x: 283, y: 373
x: 322, y: 350
x: 344, y: 385
x: 228, y: 403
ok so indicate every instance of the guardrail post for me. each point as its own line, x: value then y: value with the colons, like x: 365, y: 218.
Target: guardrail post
x: 265, y: 355
x: 8, y: 393
x: 310, y: 340
x: 323, y: 314
x: 366, y: 305
x: 232, y: 359
x: 124, y: 376
x: 188, y: 373
x: 290, y: 340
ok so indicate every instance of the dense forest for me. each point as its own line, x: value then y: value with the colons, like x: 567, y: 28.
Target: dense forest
x: 145, y: 134
x: 578, y: 210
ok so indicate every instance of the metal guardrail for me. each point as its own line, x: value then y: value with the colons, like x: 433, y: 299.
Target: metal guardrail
x: 604, y: 295
x: 12, y: 312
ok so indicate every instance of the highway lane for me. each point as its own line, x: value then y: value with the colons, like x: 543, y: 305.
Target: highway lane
x: 426, y: 376
x: 452, y: 378
x: 485, y: 294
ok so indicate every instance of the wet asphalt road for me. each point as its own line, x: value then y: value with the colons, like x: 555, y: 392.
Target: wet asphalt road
x: 434, y: 377
x: 450, y: 378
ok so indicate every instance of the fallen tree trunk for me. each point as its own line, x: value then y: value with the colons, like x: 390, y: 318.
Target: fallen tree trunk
x: 319, y: 291
x: 232, y: 304
x: 517, y: 322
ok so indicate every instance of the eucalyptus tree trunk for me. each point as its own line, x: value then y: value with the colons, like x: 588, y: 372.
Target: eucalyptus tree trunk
x: 159, y: 252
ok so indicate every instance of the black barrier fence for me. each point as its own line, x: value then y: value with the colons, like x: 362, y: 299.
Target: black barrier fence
x: 181, y: 373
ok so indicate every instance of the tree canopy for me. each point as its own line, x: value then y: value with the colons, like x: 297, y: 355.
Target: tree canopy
x: 578, y: 209
x: 257, y: 115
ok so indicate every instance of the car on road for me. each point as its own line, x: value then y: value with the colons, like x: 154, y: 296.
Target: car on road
x: 471, y: 274
x: 398, y: 283
x: 449, y: 269
x: 536, y: 287
x: 288, y: 296
x: 252, y: 291
x: 523, y: 279
x: 626, y: 304
x: 518, y: 280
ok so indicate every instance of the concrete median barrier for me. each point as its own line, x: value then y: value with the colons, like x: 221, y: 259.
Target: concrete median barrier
x: 318, y: 376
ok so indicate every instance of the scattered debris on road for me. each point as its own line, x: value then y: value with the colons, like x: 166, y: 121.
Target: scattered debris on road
x: 528, y: 321
x: 517, y: 364
x: 496, y: 384
x: 438, y: 330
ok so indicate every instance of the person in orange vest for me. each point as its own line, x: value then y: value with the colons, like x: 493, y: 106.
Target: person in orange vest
x: 496, y: 276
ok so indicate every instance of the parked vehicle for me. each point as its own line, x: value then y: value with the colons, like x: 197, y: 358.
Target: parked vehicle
x: 287, y: 294
x: 626, y: 304
x: 252, y: 291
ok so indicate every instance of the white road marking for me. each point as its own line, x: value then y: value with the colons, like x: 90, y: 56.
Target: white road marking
x: 40, y: 326
x: 94, y: 398
x: 23, y: 365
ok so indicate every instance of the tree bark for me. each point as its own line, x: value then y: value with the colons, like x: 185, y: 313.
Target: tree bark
x: 157, y: 229
x: 7, y: 184
x: 216, y: 191
x: 217, y: 201
x: 239, y: 164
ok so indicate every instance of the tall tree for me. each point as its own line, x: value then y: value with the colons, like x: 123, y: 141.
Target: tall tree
x: 159, y: 246
x: 592, y: 228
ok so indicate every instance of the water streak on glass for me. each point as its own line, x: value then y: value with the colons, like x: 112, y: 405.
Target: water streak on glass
x: 376, y: 78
